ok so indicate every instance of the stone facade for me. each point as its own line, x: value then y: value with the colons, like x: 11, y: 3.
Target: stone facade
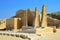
x: 11, y: 23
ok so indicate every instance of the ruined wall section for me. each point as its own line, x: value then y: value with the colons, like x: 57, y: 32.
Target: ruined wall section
x: 3, y: 24
x: 10, y: 23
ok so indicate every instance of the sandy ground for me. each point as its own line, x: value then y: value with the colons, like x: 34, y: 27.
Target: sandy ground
x: 50, y: 36
x: 4, y: 37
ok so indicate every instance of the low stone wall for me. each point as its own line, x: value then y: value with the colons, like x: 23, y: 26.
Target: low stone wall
x: 12, y: 36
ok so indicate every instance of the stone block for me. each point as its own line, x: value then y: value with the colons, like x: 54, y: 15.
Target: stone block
x: 44, y: 30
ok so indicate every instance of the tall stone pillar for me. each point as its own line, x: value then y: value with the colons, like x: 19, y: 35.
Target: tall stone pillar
x: 44, y: 17
x: 25, y: 19
x: 40, y: 19
x: 15, y: 24
x: 36, y: 23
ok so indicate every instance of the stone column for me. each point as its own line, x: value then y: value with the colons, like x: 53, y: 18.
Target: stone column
x: 15, y: 24
x: 36, y: 24
x: 44, y: 17
x: 40, y: 19
x: 25, y: 19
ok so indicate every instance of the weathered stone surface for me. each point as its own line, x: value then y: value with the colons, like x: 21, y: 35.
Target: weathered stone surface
x: 44, y: 17
x: 40, y: 16
x: 15, y: 24
x: 44, y: 30
x: 36, y: 23
x: 3, y: 24
x: 30, y: 17
x: 54, y: 29
x: 11, y: 23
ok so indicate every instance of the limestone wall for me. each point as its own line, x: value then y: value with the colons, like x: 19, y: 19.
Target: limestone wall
x: 3, y: 24
x: 10, y: 23
x: 13, y: 23
x: 30, y: 16
x: 19, y: 23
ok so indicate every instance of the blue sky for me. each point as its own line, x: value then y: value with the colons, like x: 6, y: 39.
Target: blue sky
x: 8, y: 8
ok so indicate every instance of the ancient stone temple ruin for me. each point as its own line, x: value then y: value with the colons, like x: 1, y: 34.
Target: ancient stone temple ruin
x: 26, y: 18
